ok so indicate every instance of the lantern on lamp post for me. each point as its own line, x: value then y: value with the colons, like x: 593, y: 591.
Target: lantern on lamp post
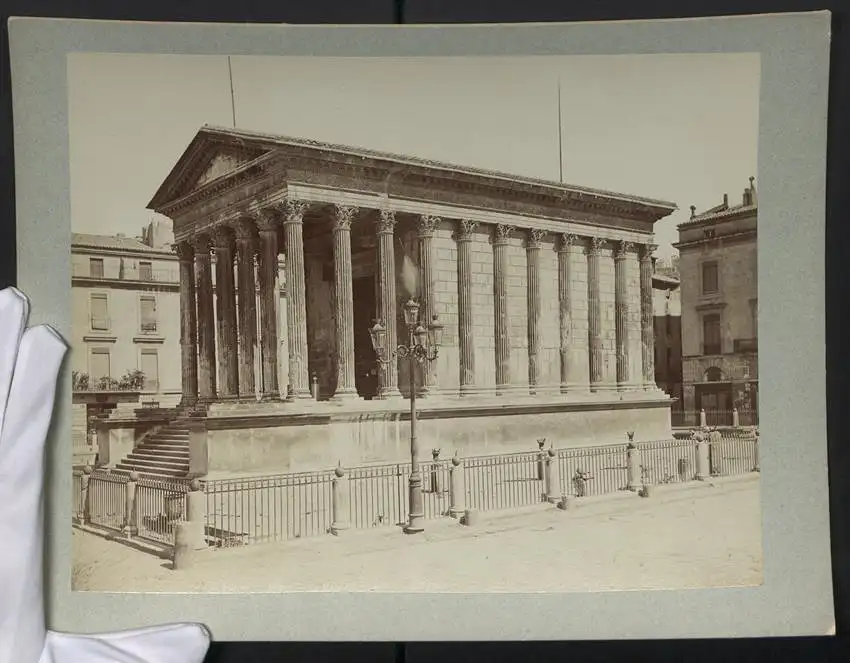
x: 422, y: 347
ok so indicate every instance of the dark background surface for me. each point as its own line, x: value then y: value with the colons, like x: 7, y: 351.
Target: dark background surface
x: 494, y: 11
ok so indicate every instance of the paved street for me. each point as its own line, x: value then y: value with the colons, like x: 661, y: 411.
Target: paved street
x: 698, y: 535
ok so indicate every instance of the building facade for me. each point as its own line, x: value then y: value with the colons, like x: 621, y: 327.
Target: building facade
x: 667, y: 307
x: 125, y: 300
x: 718, y: 262
x: 544, y: 291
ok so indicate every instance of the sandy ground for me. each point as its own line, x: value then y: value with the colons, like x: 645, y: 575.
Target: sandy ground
x: 697, y: 535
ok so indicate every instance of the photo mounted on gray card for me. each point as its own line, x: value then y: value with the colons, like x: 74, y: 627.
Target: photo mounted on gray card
x: 447, y: 315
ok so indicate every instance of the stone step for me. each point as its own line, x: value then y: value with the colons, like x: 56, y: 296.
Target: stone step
x: 167, y: 436
x: 152, y: 454
x: 169, y: 463
x: 161, y: 472
x: 164, y: 444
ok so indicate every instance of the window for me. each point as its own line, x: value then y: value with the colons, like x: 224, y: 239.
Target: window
x: 709, y: 278
x: 147, y: 303
x: 711, y: 334
x: 96, y: 268
x: 99, y: 312
x: 145, y: 271
x: 150, y: 368
x: 100, y: 365
x: 754, y: 313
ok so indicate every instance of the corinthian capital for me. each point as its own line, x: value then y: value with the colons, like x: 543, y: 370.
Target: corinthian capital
x: 344, y: 216
x: 595, y: 245
x: 567, y: 240
x: 427, y: 225
x: 465, y: 228
x: 245, y: 230
x: 502, y: 233
x: 386, y: 221
x: 646, y: 251
x: 622, y: 249
x: 294, y: 210
x: 535, y: 238
x: 222, y: 237
x: 202, y: 244
x: 184, y: 250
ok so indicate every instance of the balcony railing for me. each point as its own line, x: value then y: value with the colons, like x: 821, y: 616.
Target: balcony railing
x: 149, y: 327
x: 746, y: 345
x: 161, y: 275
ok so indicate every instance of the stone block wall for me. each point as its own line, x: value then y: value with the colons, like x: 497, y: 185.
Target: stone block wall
x: 483, y: 320
x: 606, y: 302
x: 579, y: 368
x: 446, y: 306
x: 550, y: 325
x: 517, y: 298
x: 635, y: 344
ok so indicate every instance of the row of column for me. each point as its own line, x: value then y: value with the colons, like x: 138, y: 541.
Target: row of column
x: 239, y: 244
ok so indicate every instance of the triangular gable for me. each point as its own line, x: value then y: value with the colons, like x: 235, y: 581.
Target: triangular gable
x: 207, y: 158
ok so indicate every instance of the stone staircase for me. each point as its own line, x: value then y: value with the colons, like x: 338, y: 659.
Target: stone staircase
x: 162, y: 455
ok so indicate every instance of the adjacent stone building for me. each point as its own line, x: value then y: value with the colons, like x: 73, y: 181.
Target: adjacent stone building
x: 718, y: 262
x: 544, y: 289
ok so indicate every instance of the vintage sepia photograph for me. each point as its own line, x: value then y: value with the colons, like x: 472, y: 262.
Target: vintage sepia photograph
x: 443, y: 324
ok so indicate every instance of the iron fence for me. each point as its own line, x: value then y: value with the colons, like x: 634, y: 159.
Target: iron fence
x: 254, y: 510
x: 733, y: 454
x: 667, y: 461
x: 503, y: 481
x: 158, y: 506
x: 725, y: 418
x: 107, y: 497
x: 588, y: 471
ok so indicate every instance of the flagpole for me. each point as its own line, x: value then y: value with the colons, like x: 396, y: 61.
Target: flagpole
x: 560, y: 138
x: 232, y: 97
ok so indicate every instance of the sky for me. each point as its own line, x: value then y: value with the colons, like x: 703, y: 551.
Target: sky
x: 682, y: 128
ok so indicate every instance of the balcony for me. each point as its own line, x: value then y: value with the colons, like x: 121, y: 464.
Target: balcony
x: 149, y: 327
x: 746, y: 345
x: 143, y: 275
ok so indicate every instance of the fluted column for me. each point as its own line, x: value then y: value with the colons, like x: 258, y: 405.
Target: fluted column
x: 532, y: 253
x: 247, y: 305
x: 206, y: 320
x: 565, y: 320
x: 344, y: 289
x: 621, y: 313
x: 387, y: 301
x: 594, y: 312
x: 466, y: 337
x: 296, y: 300
x: 500, y: 307
x: 427, y: 230
x: 225, y: 293
x: 268, y: 276
x: 188, y: 325
x: 647, y: 316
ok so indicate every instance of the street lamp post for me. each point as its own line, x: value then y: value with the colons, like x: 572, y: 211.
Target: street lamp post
x: 421, y: 348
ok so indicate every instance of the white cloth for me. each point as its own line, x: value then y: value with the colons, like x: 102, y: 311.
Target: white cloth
x: 29, y: 367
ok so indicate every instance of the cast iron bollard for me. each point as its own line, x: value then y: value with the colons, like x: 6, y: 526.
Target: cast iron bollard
x: 633, y: 462
x: 339, y: 501
x: 702, y: 456
x: 756, y: 460
x: 435, y: 471
x: 541, y: 459
x: 85, y: 478
x: 703, y: 422
x: 457, y: 494
x: 190, y: 538
x: 736, y: 419
x: 314, y: 386
x: 130, y: 529
x: 553, y: 477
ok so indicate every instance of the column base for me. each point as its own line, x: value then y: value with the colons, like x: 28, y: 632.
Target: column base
x: 389, y: 394
x: 345, y: 397
x: 270, y: 397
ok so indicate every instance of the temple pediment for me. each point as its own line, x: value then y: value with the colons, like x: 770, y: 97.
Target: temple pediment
x: 208, y: 158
